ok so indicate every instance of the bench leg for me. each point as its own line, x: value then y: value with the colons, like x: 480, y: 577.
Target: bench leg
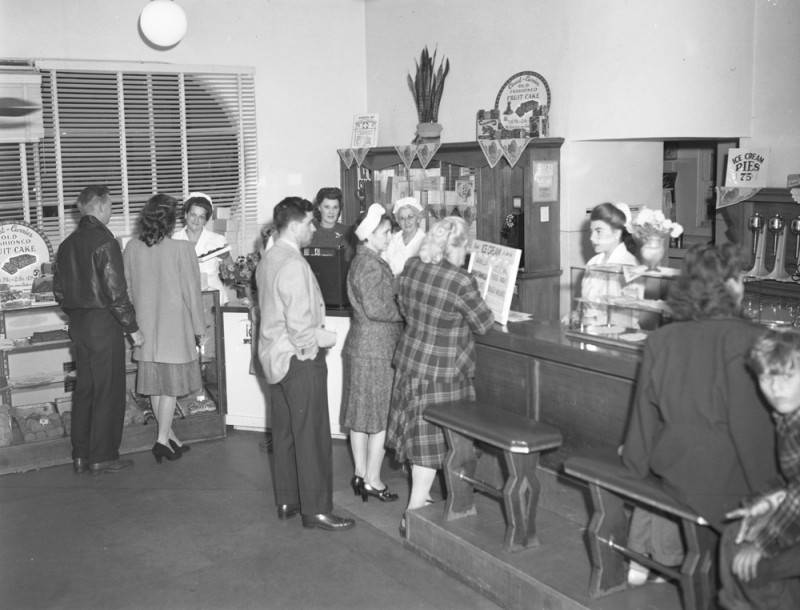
x: 609, y: 524
x: 460, y: 459
x: 520, y: 500
x: 697, y: 581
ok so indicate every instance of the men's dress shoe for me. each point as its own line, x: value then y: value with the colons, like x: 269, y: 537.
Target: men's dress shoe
x: 110, y: 466
x: 328, y: 521
x: 287, y: 511
x: 80, y: 465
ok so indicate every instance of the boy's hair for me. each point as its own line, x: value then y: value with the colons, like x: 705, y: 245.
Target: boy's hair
x: 776, y: 352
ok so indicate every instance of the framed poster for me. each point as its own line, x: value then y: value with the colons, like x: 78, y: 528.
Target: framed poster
x: 524, y: 96
x: 545, y: 181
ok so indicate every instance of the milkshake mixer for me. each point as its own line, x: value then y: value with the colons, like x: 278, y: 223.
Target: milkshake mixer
x: 777, y: 227
x: 756, y: 226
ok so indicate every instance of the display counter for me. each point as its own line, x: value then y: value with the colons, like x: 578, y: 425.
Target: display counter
x: 534, y: 369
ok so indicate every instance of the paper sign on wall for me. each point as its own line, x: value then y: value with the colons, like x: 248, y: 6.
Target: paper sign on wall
x: 495, y: 268
x: 747, y: 167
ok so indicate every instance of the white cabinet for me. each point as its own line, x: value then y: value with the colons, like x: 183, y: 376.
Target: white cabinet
x: 246, y: 392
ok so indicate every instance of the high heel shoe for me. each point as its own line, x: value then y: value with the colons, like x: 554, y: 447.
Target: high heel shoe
x: 357, y: 483
x: 184, y: 448
x: 384, y: 495
x: 162, y: 451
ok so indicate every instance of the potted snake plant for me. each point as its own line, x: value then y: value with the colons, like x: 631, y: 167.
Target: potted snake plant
x: 427, y: 87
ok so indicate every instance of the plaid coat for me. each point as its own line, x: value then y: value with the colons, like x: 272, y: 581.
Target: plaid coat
x: 442, y: 307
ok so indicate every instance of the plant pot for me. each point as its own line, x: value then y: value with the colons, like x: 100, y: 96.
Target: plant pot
x: 652, y: 251
x: 429, y: 131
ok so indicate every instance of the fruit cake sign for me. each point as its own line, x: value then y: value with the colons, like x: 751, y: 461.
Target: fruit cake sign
x: 23, y: 249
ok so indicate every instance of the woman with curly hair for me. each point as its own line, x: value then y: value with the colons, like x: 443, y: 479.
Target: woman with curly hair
x: 435, y: 359
x: 164, y: 284
x: 698, y: 421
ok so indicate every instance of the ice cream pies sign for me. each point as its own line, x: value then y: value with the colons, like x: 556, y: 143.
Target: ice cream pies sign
x: 23, y: 249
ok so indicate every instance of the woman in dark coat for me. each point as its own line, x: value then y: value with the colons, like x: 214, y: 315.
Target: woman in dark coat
x: 435, y: 360
x: 375, y: 328
x: 698, y: 421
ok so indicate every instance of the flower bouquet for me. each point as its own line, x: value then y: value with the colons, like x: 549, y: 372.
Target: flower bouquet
x: 651, y: 229
x: 652, y: 223
x: 239, y: 273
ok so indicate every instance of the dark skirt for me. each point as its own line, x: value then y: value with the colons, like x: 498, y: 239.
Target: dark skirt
x: 409, y: 434
x: 367, y: 393
x: 162, y: 379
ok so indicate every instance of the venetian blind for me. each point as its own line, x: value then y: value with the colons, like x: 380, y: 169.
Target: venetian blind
x: 140, y: 129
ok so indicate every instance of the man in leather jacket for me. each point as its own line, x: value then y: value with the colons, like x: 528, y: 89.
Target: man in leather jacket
x: 89, y: 284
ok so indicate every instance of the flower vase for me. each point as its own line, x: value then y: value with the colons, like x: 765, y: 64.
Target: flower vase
x: 242, y: 291
x: 652, y: 252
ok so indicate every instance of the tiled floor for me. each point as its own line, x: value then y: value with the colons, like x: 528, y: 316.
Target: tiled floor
x: 201, y: 532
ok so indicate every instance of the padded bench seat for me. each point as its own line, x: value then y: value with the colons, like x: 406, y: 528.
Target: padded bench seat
x: 518, y: 438
x: 611, y: 485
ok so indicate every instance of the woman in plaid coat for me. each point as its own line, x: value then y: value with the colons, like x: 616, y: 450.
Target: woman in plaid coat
x: 435, y: 359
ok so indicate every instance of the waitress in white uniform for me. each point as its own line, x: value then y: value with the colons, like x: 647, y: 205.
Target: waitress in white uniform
x: 197, y: 210
x: 614, y: 247
x: 406, y: 242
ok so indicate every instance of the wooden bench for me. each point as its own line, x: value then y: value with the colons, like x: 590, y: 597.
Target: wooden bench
x: 520, y: 439
x: 611, y: 485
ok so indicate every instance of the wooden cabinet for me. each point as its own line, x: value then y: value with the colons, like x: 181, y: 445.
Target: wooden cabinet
x: 38, y: 368
x: 526, y: 195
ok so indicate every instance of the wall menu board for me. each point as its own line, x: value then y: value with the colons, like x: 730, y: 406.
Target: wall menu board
x: 23, y: 249
x: 495, y: 268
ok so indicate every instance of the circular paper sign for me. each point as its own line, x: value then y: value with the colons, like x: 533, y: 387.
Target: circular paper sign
x: 23, y: 249
x: 524, y: 95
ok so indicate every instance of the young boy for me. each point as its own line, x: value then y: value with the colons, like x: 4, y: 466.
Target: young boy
x: 760, y: 557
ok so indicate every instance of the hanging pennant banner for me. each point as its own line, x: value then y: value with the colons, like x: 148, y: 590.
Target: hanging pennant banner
x: 407, y: 154
x: 360, y: 154
x: 347, y: 156
x: 513, y: 149
x: 492, y: 151
x: 730, y: 195
x: 426, y: 151
x: 747, y: 167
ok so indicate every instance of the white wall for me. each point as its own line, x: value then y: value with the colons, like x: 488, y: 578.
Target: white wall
x: 623, y: 75
x: 308, y: 54
x: 776, y: 87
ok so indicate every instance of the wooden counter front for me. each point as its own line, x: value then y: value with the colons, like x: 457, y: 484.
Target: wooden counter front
x: 533, y: 369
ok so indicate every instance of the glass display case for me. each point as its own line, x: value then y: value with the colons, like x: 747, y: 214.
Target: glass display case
x: 618, y: 304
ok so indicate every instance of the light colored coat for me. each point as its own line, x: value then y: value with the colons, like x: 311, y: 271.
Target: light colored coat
x: 292, y: 309
x: 164, y: 285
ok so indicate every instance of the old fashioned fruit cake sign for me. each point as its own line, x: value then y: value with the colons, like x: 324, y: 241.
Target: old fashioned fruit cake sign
x: 23, y: 249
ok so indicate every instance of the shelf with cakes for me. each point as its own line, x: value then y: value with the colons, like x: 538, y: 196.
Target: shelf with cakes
x: 618, y: 305
x: 37, y: 377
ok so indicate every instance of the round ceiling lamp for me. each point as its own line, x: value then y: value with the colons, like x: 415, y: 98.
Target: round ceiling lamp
x: 163, y: 23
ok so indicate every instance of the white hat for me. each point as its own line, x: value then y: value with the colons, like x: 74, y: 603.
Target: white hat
x: 626, y: 212
x: 406, y: 201
x: 370, y: 222
x: 201, y: 196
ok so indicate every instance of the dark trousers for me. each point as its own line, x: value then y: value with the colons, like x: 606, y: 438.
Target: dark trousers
x: 301, y: 437
x: 98, y: 402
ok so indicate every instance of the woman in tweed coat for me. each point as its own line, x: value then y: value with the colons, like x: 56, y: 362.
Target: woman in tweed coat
x: 435, y: 359
x: 375, y: 328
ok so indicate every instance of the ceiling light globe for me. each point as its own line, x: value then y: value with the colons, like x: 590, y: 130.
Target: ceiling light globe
x: 163, y: 22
